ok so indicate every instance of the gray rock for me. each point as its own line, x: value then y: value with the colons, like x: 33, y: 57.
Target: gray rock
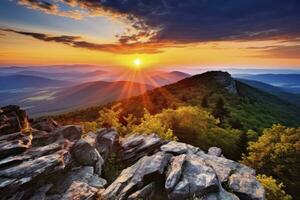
x: 146, y: 193
x: 224, y: 167
x: 28, y: 171
x: 70, y: 132
x: 197, y: 179
x: 79, y: 191
x: 14, y: 147
x: 215, y: 151
x: 90, y: 138
x: 131, y: 179
x: 222, y: 195
x: 84, y: 153
x: 40, y: 193
x: 178, y: 148
x: 174, y: 172
x: 225, y: 80
x: 246, y: 186
x: 81, y: 174
x: 132, y: 141
x: 107, y: 142
x: 145, y: 145
x: 12, y: 119
x: 42, y: 138
x: 99, y: 165
x: 45, y: 124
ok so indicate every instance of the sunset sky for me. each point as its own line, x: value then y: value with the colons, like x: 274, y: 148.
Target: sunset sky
x: 161, y: 33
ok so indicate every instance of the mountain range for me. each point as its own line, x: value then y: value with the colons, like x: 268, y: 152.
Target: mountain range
x: 247, y: 107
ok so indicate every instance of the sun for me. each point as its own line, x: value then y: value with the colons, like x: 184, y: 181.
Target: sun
x: 137, y: 63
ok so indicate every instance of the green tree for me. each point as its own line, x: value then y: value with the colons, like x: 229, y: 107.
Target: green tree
x: 153, y: 124
x: 195, y: 126
x: 277, y: 153
x: 220, y: 111
x: 204, y: 102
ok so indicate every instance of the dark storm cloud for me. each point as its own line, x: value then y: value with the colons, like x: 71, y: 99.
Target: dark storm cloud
x: 78, y: 42
x: 188, y: 21
x: 207, y: 20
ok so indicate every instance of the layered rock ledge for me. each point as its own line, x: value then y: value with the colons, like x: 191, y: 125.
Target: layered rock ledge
x: 42, y: 160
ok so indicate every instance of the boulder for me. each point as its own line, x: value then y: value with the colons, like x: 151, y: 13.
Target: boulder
x: 40, y: 193
x: 84, y: 153
x: 246, y: 186
x: 136, y: 146
x: 79, y: 191
x: 146, y: 193
x: 225, y: 167
x: 15, y: 146
x: 174, y: 172
x: 221, y: 195
x: 70, y: 132
x: 81, y: 174
x: 42, y: 138
x: 131, y: 179
x: 45, y: 124
x: 107, y: 142
x: 27, y: 171
x: 215, y: 151
x: 197, y: 179
x: 178, y: 148
x: 12, y: 119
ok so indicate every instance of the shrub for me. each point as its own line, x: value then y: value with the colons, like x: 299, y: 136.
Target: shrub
x: 277, y: 153
x: 274, y: 189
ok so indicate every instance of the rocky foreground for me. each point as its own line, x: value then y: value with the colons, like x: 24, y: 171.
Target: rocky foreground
x: 42, y: 160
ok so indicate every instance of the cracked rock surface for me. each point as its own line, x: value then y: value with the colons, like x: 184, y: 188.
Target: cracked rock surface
x: 44, y: 160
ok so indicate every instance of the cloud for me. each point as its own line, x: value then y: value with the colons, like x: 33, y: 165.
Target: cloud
x: 78, y: 42
x: 50, y: 8
x: 190, y: 21
x: 279, y: 51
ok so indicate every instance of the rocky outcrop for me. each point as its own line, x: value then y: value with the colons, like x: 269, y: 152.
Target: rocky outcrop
x: 186, y: 172
x: 34, y: 162
x: 136, y: 146
x: 225, y: 80
x: 12, y: 119
x: 58, y: 162
x: 107, y: 142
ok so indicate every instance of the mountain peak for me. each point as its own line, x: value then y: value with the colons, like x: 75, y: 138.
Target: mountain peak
x: 224, y: 79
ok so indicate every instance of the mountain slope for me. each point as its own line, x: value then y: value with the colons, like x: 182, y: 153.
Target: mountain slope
x: 287, y: 82
x: 23, y: 81
x: 249, y: 108
x: 280, y: 93
x: 89, y: 94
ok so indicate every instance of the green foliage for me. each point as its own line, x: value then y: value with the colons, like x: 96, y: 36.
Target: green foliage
x: 274, y: 189
x: 112, y: 168
x: 277, y: 153
x: 249, y: 109
x: 252, y: 136
x: 220, y: 112
x: 89, y: 126
x: 197, y: 127
x: 153, y: 124
x: 109, y: 117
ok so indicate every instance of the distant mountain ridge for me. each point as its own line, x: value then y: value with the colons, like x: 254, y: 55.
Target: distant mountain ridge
x: 25, y: 81
x: 86, y: 95
x: 288, y: 82
x: 276, y: 91
x: 249, y: 107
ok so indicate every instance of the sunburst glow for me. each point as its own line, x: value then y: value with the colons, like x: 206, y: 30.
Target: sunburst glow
x: 137, y: 63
